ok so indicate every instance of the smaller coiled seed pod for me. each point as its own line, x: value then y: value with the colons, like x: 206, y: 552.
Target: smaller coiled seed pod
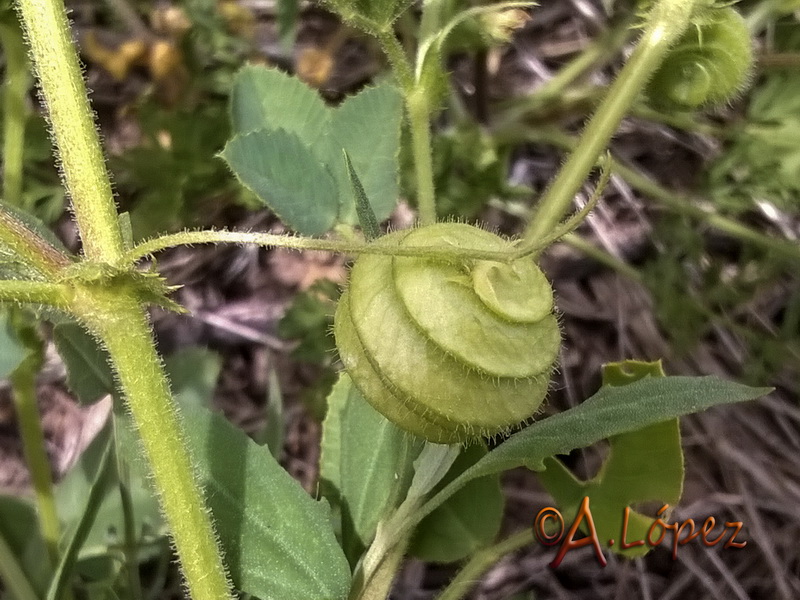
x: 450, y: 351
x: 709, y: 65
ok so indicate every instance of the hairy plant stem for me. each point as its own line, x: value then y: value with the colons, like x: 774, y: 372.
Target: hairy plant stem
x: 114, y: 313
x: 667, y: 21
x: 35, y: 292
x: 419, y: 113
x: 115, y: 317
x: 302, y: 243
x: 379, y: 585
x: 398, y: 59
x: 15, y: 89
x: 73, y: 130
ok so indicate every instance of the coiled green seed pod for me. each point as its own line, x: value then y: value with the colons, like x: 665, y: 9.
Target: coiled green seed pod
x: 449, y: 351
x: 709, y: 65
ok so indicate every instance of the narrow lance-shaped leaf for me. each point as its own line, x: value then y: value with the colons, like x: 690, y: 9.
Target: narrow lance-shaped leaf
x: 642, y: 466
x: 611, y: 411
x: 99, y: 488
x: 366, y: 216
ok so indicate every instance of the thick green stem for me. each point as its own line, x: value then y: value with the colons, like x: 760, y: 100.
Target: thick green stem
x: 16, y: 88
x: 418, y: 119
x: 398, y: 59
x: 73, y: 129
x: 668, y: 19
x: 380, y: 582
x: 23, y: 383
x: 116, y: 318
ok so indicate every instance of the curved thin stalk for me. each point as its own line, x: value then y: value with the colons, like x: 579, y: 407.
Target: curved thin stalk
x: 23, y: 384
x: 481, y: 561
x: 602, y: 256
x: 271, y: 240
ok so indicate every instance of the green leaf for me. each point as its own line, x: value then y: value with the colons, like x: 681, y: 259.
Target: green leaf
x: 108, y: 525
x: 268, y: 99
x: 19, y: 530
x: 432, y: 466
x: 35, y: 225
x: 12, y: 352
x: 642, y: 466
x: 193, y: 373
x: 272, y: 433
x: 278, y: 541
x: 94, y: 501
x: 284, y: 174
x: 367, y: 126
x: 310, y: 319
x: 366, y: 458
x: 88, y: 372
x: 469, y: 520
x: 288, y: 11
x: 611, y: 411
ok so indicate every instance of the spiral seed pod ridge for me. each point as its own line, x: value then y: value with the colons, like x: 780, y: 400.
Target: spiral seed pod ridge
x: 710, y: 64
x: 449, y: 350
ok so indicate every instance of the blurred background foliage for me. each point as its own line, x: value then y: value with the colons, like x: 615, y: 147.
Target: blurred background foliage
x: 161, y: 75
